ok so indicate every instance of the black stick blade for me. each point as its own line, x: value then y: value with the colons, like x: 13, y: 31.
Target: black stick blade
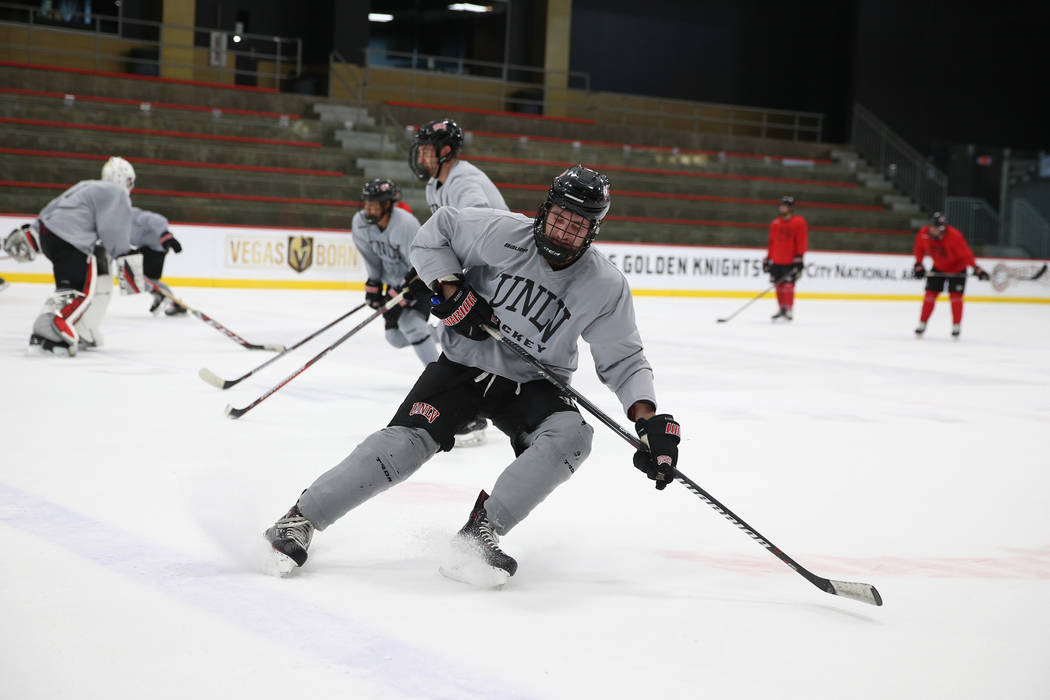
x: 863, y: 592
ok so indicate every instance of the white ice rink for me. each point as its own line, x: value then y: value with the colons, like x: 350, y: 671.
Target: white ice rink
x: 132, y: 511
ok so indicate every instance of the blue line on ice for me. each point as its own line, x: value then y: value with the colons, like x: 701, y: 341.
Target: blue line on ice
x: 238, y: 599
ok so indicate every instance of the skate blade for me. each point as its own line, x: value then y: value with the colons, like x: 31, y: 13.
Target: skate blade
x: 281, y: 565
x: 475, y: 573
x: 475, y: 439
x: 39, y: 351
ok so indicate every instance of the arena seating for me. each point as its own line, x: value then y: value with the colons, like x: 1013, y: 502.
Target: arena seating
x: 218, y: 154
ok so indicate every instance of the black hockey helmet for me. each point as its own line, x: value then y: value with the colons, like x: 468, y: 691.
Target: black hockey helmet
x: 938, y: 220
x: 380, y: 190
x: 438, y: 133
x: 788, y: 201
x: 582, y: 191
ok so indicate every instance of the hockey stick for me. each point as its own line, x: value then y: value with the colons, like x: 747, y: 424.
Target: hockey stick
x: 862, y: 592
x: 275, y: 347
x: 217, y: 381
x: 232, y: 412
x: 760, y: 295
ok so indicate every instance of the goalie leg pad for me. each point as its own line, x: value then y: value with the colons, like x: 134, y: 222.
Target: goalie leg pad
x: 384, y: 458
x: 130, y: 275
x: 90, y: 321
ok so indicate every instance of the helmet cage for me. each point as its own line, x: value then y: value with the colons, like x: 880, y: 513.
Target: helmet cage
x: 579, y: 190
x: 383, y: 191
x: 439, y: 133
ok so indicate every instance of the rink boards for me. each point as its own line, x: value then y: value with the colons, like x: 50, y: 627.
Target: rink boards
x: 276, y: 258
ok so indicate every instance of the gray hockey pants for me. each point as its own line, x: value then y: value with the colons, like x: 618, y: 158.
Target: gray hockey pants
x: 554, y: 451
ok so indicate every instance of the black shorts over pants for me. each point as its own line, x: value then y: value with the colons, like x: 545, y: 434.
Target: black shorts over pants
x: 446, y: 397
x: 936, y: 281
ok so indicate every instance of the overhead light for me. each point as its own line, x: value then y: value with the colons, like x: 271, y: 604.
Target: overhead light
x: 469, y: 7
x: 380, y: 17
x: 236, y: 38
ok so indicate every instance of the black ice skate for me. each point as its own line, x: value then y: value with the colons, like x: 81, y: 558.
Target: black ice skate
x: 484, y: 563
x: 3, y: 283
x: 472, y: 434
x: 920, y: 329
x: 175, y: 309
x: 290, y: 538
x: 784, y: 313
x: 956, y: 329
x: 38, y: 344
x: 157, y: 303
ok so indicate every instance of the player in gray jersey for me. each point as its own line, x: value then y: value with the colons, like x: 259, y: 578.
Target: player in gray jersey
x: 151, y: 237
x: 539, y: 281
x: 452, y: 182
x: 383, y: 234
x: 79, y: 231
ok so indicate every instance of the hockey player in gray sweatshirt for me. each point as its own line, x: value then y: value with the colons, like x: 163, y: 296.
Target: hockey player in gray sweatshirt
x: 452, y: 182
x: 151, y: 237
x: 79, y: 231
x: 539, y: 281
x: 383, y: 234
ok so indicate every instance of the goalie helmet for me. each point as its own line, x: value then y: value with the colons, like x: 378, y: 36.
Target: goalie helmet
x: 119, y: 172
x: 438, y: 133
x: 383, y: 191
x: 578, y: 190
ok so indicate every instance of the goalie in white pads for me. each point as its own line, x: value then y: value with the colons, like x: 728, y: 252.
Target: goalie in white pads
x: 541, y: 284
x: 79, y: 231
x: 383, y: 234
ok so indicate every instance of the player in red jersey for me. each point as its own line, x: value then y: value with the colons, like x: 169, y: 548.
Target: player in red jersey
x: 951, y: 256
x: 788, y: 238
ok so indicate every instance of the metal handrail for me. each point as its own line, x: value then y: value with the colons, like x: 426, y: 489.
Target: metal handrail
x: 280, y: 58
x: 802, y: 125
x: 461, y: 63
x: 973, y: 216
x: 901, y: 164
x: 1029, y: 229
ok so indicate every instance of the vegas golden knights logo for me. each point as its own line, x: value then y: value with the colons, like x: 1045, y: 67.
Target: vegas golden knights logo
x: 300, y: 252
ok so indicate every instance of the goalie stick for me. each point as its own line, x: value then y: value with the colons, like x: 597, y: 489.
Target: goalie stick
x: 1003, y: 275
x: 235, y: 413
x: 274, y: 347
x: 218, y: 382
x: 862, y: 592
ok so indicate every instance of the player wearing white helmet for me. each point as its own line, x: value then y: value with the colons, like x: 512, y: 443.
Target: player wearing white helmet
x: 79, y: 231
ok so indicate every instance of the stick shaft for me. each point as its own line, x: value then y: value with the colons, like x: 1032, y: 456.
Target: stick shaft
x: 866, y: 593
x: 238, y: 412
x: 230, y: 382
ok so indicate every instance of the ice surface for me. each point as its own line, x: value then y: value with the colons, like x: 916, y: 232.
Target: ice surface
x: 132, y: 511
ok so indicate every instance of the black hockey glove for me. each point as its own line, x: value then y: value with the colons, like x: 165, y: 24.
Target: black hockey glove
x: 464, y: 312
x: 662, y: 434
x: 919, y: 271
x: 169, y: 242
x: 415, y: 288
x: 766, y: 266
x: 980, y: 274
x: 374, y: 293
x: 796, y: 269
